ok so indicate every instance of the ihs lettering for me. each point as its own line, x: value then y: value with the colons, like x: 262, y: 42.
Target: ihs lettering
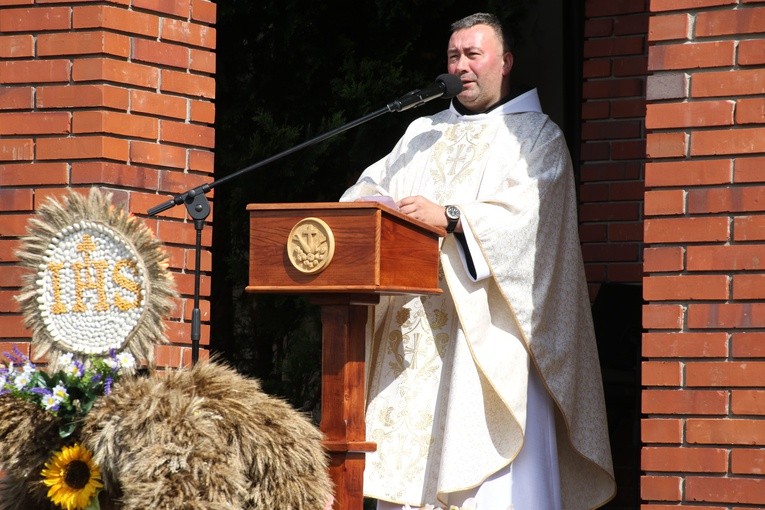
x: 90, y: 275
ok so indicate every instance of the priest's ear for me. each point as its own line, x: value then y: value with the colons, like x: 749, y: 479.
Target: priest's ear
x: 507, y: 63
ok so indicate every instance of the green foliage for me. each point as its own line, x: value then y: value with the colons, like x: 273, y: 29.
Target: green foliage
x: 287, y: 72
x: 68, y: 393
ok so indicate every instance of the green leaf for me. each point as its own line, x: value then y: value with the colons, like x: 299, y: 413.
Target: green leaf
x: 94, y: 503
x: 66, y: 429
x: 87, y: 405
x: 46, y: 379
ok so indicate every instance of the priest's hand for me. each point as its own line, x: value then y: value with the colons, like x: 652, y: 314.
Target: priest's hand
x: 420, y: 208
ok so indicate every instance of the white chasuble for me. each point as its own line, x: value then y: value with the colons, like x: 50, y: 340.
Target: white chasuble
x: 448, y: 374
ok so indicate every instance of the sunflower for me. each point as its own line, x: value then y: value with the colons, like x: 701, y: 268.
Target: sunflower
x: 73, y: 477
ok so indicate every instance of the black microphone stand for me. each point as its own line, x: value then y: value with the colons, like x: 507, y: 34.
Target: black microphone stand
x: 198, y: 206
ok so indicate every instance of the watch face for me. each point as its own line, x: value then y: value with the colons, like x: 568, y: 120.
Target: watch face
x: 452, y: 212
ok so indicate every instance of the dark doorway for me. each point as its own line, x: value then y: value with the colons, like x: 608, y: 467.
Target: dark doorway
x: 617, y: 313
x: 288, y: 71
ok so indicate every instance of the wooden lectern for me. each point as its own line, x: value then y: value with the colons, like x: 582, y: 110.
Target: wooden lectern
x: 345, y: 256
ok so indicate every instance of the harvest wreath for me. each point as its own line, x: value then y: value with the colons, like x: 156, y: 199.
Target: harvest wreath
x: 85, y: 432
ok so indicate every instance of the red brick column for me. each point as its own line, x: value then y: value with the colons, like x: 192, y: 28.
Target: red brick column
x: 613, y: 140
x: 116, y: 94
x: 704, y: 346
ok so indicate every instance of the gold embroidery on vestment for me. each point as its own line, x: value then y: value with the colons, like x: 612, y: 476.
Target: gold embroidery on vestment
x: 455, y: 157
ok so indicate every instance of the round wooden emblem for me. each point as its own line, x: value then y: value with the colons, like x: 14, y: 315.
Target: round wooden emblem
x: 310, y: 245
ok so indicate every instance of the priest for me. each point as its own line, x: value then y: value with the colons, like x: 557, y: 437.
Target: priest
x: 490, y: 391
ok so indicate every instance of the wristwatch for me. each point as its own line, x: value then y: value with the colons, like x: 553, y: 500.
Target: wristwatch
x: 452, y: 213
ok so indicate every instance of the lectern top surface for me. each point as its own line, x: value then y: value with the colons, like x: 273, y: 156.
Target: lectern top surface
x: 319, y: 206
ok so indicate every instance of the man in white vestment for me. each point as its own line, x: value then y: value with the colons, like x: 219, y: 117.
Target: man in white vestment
x: 491, y: 390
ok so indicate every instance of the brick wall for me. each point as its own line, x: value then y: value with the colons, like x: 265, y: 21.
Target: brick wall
x: 116, y: 94
x: 611, y: 190
x: 613, y: 140
x: 704, y: 346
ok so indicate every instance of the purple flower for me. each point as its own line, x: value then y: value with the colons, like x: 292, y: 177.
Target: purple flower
x: 17, y: 356
x: 108, y: 385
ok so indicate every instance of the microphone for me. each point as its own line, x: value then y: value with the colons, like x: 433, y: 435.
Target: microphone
x: 446, y: 86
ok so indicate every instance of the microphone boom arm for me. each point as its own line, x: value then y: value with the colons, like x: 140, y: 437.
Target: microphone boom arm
x: 182, y: 197
x: 198, y: 206
x: 446, y: 85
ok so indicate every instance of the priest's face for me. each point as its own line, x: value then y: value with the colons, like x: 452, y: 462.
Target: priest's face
x: 476, y: 55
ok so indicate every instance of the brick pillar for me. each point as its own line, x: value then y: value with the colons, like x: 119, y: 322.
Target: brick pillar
x: 613, y: 140
x: 704, y: 346
x: 116, y: 94
x: 611, y: 192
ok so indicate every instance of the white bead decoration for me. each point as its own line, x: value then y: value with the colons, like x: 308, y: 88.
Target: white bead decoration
x: 91, y: 288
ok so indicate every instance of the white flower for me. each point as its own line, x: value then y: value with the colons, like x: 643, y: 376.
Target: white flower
x: 28, y: 368
x: 60, y: 393
x: 74, y: 369
x: 70, y: 367
x: 112, y: 363
x: 22, y: 380
x: 126, y: 360
x: 3, y: 380
x: 50, y: 401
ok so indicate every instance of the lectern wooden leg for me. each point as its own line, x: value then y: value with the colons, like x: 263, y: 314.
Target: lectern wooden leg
x: 342, y: 394
x: 347, y: 473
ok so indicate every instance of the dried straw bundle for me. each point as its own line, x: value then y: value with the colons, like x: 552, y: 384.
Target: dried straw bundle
x: 205, y: 438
